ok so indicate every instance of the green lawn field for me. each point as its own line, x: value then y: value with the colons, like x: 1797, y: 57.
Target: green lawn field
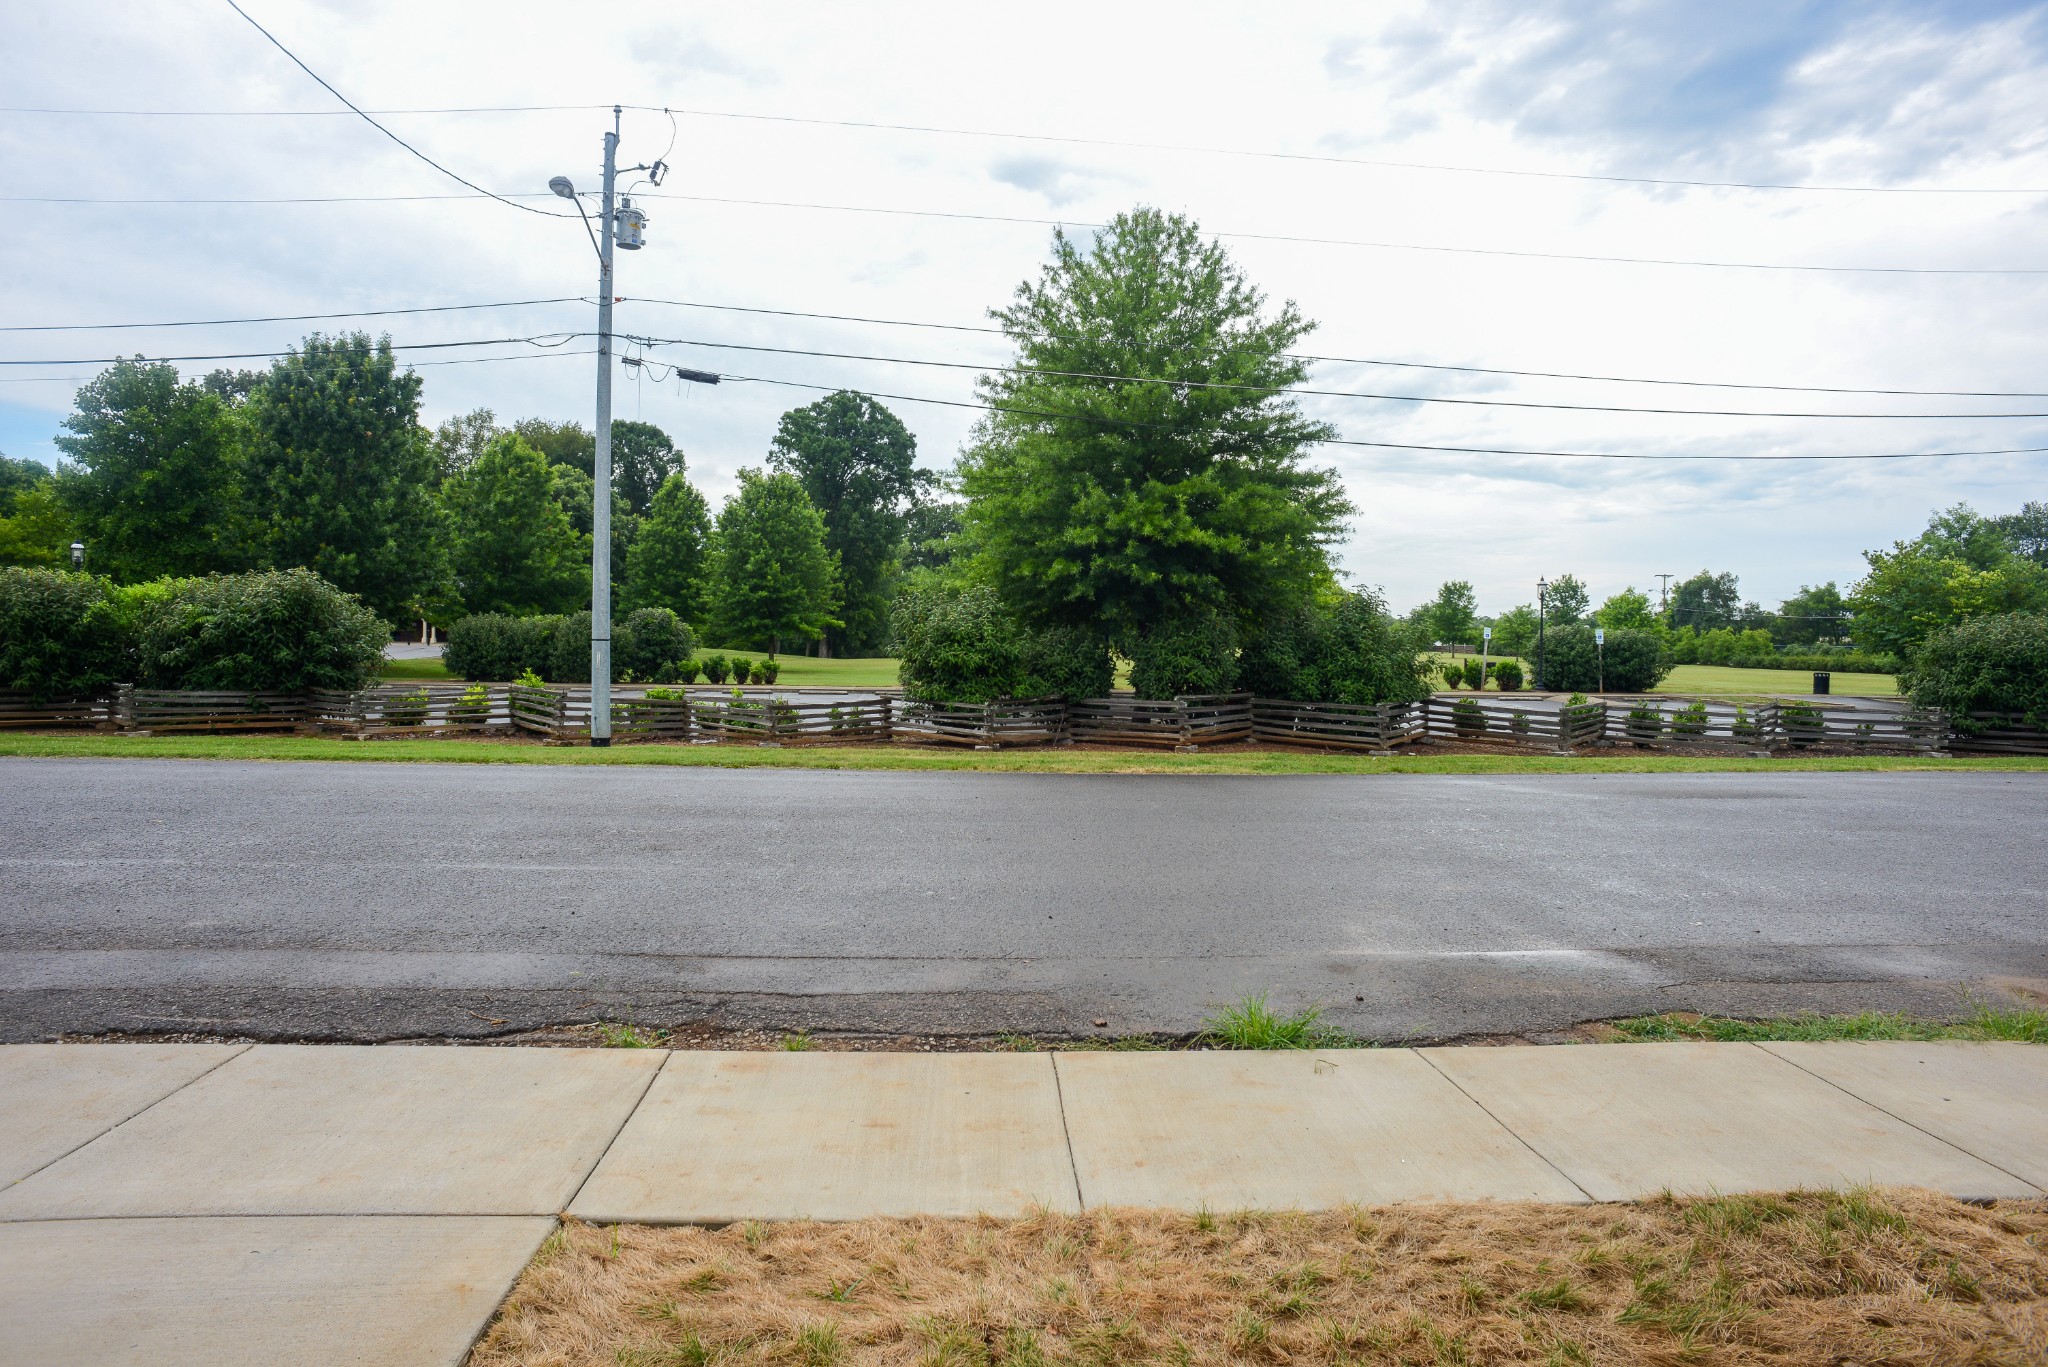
x: 1709, y: 680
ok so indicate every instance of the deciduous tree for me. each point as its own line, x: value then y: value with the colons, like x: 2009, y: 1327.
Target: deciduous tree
x: 772, y: 578
x: 1142, y: 462
x: 510, y: 544
x: 667, y: 565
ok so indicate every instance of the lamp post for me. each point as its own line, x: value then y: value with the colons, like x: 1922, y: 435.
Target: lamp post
x: 78, y: 555
x: 1542, y: 592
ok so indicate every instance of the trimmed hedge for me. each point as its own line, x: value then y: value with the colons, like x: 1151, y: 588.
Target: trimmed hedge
x: 965, y: 646
x: 1635, y: 661
x: 648, y: 646
x: 64, y: 634
x: 1841, y: 664
x: 1986, y: 664
x: 1348, y: 651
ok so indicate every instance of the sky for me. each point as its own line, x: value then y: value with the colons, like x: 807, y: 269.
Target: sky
x: 1564, y: 125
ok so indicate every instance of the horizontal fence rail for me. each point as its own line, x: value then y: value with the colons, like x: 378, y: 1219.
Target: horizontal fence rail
x: 560, y: 714
x: 990, y: 725
x: 1337, y: 726
x: 1478, y: 719
x: 1184, y: 723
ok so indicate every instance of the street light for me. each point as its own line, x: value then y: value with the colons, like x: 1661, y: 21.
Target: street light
x: 78, y: 555
x: 1542, y: 592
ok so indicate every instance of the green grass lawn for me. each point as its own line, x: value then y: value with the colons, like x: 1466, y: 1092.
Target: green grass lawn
x: 414, y: 669
x: 1709, y: 680
x: 896, y: 757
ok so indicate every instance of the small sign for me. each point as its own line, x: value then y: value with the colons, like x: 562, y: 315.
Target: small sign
x: 1599, y: 636
x: 1486, y: 633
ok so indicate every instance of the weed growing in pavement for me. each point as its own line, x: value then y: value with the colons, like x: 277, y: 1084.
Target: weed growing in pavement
x: 626, y: 1035
x: 796, y: 1042
x: 1251, y: 1024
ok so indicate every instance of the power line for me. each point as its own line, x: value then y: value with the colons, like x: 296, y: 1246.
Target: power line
x: 1322, y: 158
x: 999, y: 332
x: 1303, y: 390
x: 537, y: 340
x: 523, y: 208
x: 1360, y: 360
x: 1333, y: 159
x: 1386, y: 445
x: 293, y: 317
x: 959, y: 216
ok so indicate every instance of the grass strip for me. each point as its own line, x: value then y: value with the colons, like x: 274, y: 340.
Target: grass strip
x: 2025, y: 1025
x: 905, y: 758
x: 1856, y: 1276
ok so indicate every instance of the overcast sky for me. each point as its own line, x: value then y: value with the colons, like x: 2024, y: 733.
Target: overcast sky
x: 1947, y: 96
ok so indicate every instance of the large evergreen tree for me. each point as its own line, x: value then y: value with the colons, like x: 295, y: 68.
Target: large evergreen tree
x: 1141, y: 463
x: 772, y: 578
x: 343, y: 472
x: 858, y: 463
x: 510, y: 544
x: 157, y: 484
x: 668, y: 561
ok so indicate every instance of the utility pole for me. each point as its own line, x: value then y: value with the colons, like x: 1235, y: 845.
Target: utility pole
x: 1663, y: 591
x: 601, y: 472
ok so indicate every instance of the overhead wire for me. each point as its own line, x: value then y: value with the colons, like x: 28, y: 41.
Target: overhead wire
x: 1361, y: 360
x: 537, y: 340
x: 523, y: 208
x: 1323, y: 158
x: 1029, y: 221
x: 1394, y: 445
x: 1461, y: 400
x: 293, y: 317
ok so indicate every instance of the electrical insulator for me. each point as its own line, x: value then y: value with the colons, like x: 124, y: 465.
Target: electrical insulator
x: 631, y: 232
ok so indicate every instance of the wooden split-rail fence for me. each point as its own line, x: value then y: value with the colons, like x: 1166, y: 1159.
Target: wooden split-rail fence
x: 798, y: 716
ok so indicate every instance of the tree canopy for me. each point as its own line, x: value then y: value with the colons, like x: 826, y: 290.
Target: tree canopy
x: 157, y: 484
x: 343, y: 472
x: 667, y: 564
x: 1141, y: 462
x: 1565, y: 601
x: 510, y: 544
x: 857, y: 462
x: 773, y: 580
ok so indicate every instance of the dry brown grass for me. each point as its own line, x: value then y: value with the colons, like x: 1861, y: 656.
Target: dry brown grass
x: 1861, y: 1277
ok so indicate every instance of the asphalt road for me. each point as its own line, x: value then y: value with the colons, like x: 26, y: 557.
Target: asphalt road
x: 380, y: 901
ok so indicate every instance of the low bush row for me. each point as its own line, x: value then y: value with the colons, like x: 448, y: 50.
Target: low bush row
x: 1472, y: 672
x: 648, y: 646
x: 1845, y: 663
x: 71, y: 635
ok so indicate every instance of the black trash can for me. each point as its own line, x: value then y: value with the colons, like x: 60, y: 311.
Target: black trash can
x: 1820, y: 681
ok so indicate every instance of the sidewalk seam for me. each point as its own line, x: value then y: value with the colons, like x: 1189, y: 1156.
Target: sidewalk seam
x: 243, y: 1049
x: 1939, y: 1139
x: 1066, y: 1132
x: 626, y: 1120
x: 1544, y: 1157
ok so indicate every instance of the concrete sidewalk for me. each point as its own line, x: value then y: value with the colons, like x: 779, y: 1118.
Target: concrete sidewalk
x: 226, y: 1204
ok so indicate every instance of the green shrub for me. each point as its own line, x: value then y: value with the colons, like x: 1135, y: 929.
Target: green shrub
x: 62, y: 634
x: 1635, y: 660
x: 528, y: 679
x: 716, y: 669
x: 1192, y: 653
x: 770, y: 669
x: 1453, y: 674
x: 1468, y: 718
x: 406, y: 709
x: 1845, y: 662
x: 1508, y: 674
x: 1744, y: 726
x: 1475, y: 674
x: 473, y: 708
x: 684, y: 671
x: 1690, y: 721
x: 1346, y: 651
x: 1996, y: 664
x: 965, y: 646
x: 278, y: 630
x: 568, y: 654
x: 649, y: 644
x: 489, y: 646
x: 1644, y: 723
x: 1804, y: 723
